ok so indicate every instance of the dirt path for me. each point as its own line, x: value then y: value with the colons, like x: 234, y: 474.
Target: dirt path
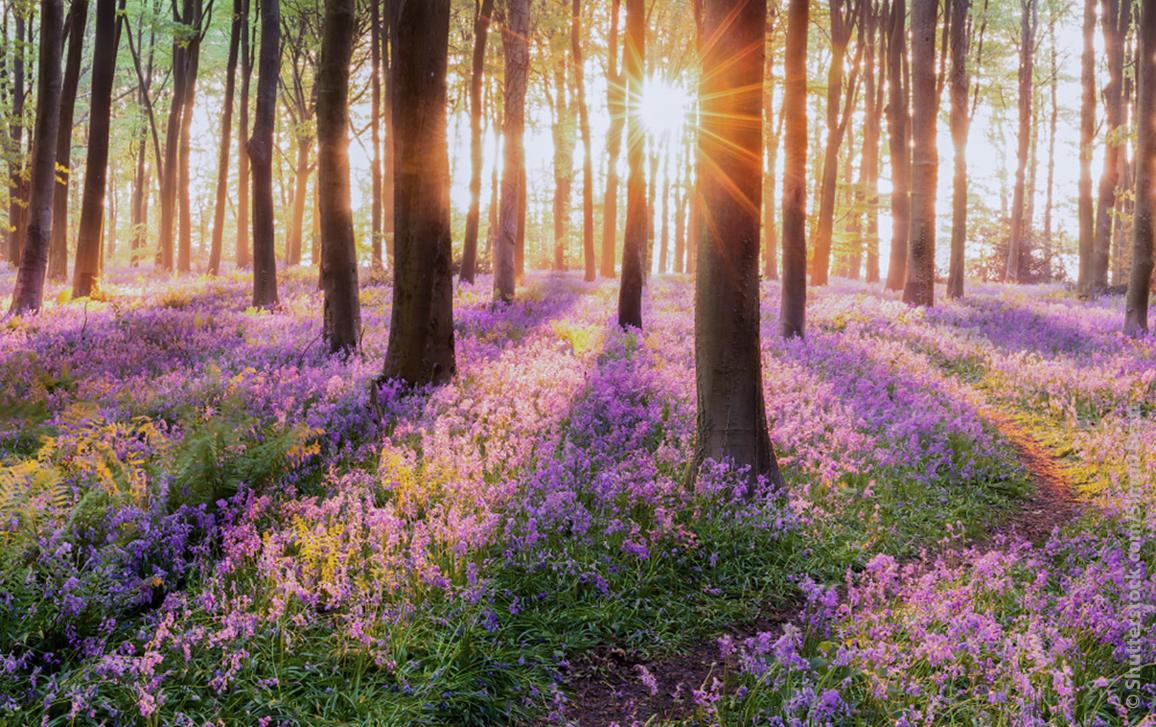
x: 610, y: 687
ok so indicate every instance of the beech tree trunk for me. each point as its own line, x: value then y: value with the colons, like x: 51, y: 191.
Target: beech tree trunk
x: 244, y: 258
x: 900, y: 145
x: 1114, y: 21
x: 637, y: 224
x: 260, y: 149
x: 1139, y: 283
x: 793, y: 306
x: 960, y: 121
x: 563, y: 144
x: 919, y: 288
x: 28, y: 295
x: 376, y: 224
x: 873, y: 88
x: 1053, y: 120
x: 342, y: 311
x: 421, y: 333
x: 1087, y: 133
x: 192, y: 61
x: 732, y: 420
x: 771, y: 144
x: 17, y: 186
x: 579, y: 76
x: 58, y: 252
x: 616, y: 102
x: 477, y: 71
x: 226, y: 137
x: 88, y: 244
x: 511, y: 216
x: 1018, y: 251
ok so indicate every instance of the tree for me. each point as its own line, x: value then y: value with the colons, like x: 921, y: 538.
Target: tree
x: 634, y: 63
x: 243, y: 255
x: 732, y: 420
x: 376, y: 66
x: 1115, y: 18
x: 477, y: 70
x: 960, y: 120
x: 421, y: 332
x: 88, y: 243
x: 28, y: 294
x: 238, y: 22
x: 793, y: 306
x: 579, y: 76
x: 920, y: 286
x: 1087, y: 133
x: 197, y: 21
x: 17, y: 186
x: 511, y: 216
x: 342, y: 312
x: 772, y: 128
x: 615, y: 100
x: 260, y: 149
x: 1021, y: 220
x: 899, y: 142
x: 1136, y: 302
x: 75, y: 30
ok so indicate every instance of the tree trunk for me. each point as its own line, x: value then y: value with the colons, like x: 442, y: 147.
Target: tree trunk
x: 296, y: 231
x: 85, y: 280
x: 1053, y: 118
x: 1087, y: 134
x: 244, y: 258
x: 616, y: 103
x: 771, y: 132
x: 732, y: 421
x: 192, y: 59
x: 477, y: 71
x: 664, y: 214
x: 1018, y: 251
x: 1136, y: 301
x: 58, y: 253
x: 563, y: 142
x: 637, y: 224
x: 17, y: 185
x: 342, y: 312
x: 515, y: 43
x: 579, y: 76
x: 919, y: 288
x: 226, y: 132
x: 873, y: 88
x: 900, y: 145
x: 376, y: 224
x: 260, y: 149
x: 140, y: 196
x: 421, y: 334
x: 388, y: 148
x: 960, y: 121
x: 1115, y: 23
x: 28, y: 295
x: 793, y: 306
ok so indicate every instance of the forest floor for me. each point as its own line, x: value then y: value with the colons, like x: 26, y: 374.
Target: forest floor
x: 204, y: 518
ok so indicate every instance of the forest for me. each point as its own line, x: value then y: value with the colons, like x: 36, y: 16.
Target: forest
x: 661, y: 363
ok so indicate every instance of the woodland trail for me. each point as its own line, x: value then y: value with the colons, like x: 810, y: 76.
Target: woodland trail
x: 611, y: 686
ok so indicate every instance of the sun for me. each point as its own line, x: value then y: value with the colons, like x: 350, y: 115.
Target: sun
x: 664, y: 107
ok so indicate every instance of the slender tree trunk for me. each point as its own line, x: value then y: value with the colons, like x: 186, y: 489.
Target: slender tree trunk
x: 900, y: 145
x: 192, y: 57
x: 1115, y: 24
x: 388, y: 148
x: 920, y: 286
x: 873, y: 88
x: 17, y: 185
x: 28, y: 295
x: 771, y: 132
x: 793, y: 306
x: 616, y: 102
x: 139, y: 202
x: 421, y: 334
x: 1053, y: 118
x: 960, y: 121
x: 226, y: 134
x: 1139, y: 283
x: 579, y: 76
x: 679, y: 226
x: 664, y: 225
x: 244, y: 258
x: 168, y: 168
x: 296, y: 231
x: 1020, y: 222
x: 260, y: 149
x: 515, y: 42
x: 1087, y: 134
x: 477, y: 71
x: 58, y: 253
x: 634, y: 61
x: 563, y: 138
x: 85, y: 280
x: 732, y: 421
x: 377, y: 225
x: 342, y: 312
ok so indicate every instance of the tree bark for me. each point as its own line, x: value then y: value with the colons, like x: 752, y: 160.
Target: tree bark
x: 244, y: 258
x: 1115, y: 23
x: 260, y: 149
x: 1018, y: 250
x: 376, y: 223
x: 793, y: 306
x: 28, y: 295
x: 1053, y: 119
x: 637, y: 224
x: 477, y: 71
x: 563, y: 138
x: 732, y: 421
x: 192, y: 61
x: 873, y: 88
x: 771, y: 152
x: 421, y: 334
x: 616, y: 103
x: 17, y: 185
x: 58, y: 252
x: 579, y: 76
x: 85, y: 280
x: 900, y: 145
x: 919, y: 288
x: 511, y: 216
x: 301, y: 169
x: 1136, y: 301
x: 226, y: 137
x: 342, y: 312
x: 1087, y: 134
x: 960, y: 121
